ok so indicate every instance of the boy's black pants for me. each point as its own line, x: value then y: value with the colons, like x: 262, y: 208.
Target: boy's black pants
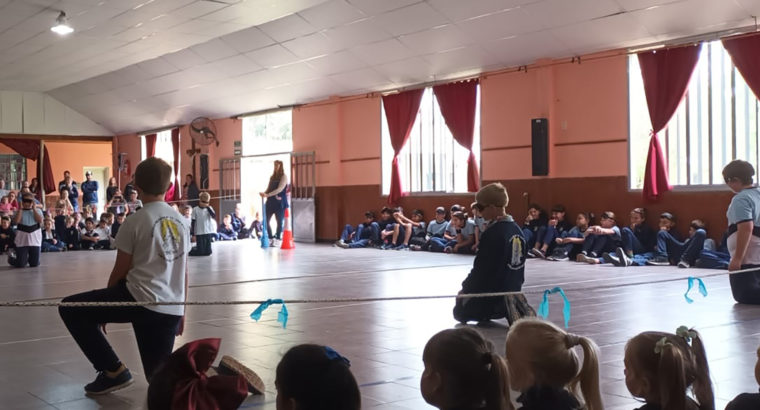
x: 154, y: 331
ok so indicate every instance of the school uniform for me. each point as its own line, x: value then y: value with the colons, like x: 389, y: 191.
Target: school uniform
x: 440, y: 244
x: 59, y: 224
x: 530, y: 229
x: 434, y: 229
x: 499, y: 266
x: 86, y: 243
x: 745, y: 206
x: 158, y: 240
x: 365, y: 235
x: 51, y: 242
x: 256, y: 229
x: 104, y: 237
x: 227, y: 234
x: 670, y: 248
x: 548, y: 398
x: 7, y: 242
x: 419, y: 235
x: 641, y: 239
x: 203, y: 228
x: 548, y: 234
x: 28, y: 240
x: 238, y: 226
x: 115, y: 229
x: 745, y: 401
x: 72, y: 237
x: 596, y: 245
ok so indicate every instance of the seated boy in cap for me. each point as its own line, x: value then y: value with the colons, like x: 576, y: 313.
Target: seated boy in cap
x: 499, y: 265
x: 365, y: 234
x: 435, y: 229
x: 670, y: 250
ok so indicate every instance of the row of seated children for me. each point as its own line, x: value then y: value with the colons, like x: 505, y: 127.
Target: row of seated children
x: 233, y: 228
x: 463, y: 370
x: 635, y: 245
x: 64, y: 233
x: 396, y: 231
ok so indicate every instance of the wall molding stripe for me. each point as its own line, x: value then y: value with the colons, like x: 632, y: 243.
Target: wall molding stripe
x: 506, y: 148
x: 360, y: 159
x: 564, y: 144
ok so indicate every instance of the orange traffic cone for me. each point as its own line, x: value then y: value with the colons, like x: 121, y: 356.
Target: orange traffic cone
x: 287, y: 234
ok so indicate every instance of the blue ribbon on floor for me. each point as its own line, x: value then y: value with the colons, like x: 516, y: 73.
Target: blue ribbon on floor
x: 701, y: 285
x: 543, y: 308
x: 282, y: 316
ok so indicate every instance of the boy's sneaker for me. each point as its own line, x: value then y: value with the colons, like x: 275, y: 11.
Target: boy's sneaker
x: 342, y: 244
x: 402, y: 247
x: 339, y: 243
x: 448, y: 249
x: 623, y: 257
x: 104, y: 384
x: 537, y: 253
x: 683, y: 264
x: 532, y: 253
x: 415, y: 247
x: 587, y: 259
x: 609, y: 258
x: 659, y: 261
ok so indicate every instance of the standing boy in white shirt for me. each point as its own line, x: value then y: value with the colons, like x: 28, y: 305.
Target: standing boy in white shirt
x: 203, y: 226
x: 151, y: 266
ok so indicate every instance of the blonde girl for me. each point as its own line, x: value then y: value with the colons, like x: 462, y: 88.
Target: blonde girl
x: 463, y: 371
x: 545, y: 368
x: 63, y: 205
x: 660, y: 367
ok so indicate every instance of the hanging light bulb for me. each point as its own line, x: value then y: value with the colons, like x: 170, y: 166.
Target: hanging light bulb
x: 62, y: 26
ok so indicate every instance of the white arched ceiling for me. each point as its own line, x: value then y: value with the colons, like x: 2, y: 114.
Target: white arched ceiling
x: 136, y: 64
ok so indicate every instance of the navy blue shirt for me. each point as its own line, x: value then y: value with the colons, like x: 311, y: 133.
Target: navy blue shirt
x: 646, y: 235
x: 499, y: 264
x: 745, y: 401
x: 90, y: 192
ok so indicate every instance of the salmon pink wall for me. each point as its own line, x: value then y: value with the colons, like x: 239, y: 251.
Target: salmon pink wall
x: 74, y: 156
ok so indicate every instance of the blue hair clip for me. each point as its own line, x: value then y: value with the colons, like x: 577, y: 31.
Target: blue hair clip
x: 333, y: 355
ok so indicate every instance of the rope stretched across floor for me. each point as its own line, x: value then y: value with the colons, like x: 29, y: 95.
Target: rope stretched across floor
x: 349, y: 300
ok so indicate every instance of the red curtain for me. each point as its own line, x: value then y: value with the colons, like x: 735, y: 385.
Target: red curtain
x: 175, y: 152
x: 457, y: 102
x: 150, y: 145
x: 30, y: 149
x: 745, y: 53
x: 666, y: 75
x: 401, y: 111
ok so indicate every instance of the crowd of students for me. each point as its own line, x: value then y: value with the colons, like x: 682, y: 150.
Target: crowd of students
x: 551, y: 236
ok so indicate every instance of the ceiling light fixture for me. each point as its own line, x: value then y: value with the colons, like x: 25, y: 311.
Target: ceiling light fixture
x: 62, y: 26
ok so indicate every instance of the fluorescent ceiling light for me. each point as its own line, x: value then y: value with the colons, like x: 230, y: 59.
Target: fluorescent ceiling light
x: 62, y: 26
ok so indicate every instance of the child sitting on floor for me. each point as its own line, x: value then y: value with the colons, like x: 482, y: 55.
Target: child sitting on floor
x: 226, y: 232
x: 660, y: 368
x: 572, y: 244
x: 464, y: 229
x: 637, y: 242
x: 7, y: 234
x: 117, y: 223
x: 72, y: 236
x: 533, y: 222
x: 600, y: 239
x: 463, y: 371
x: 435, y: 229
x: 315, y: 377
x: 546, y: 238
x: 89, y: 235
x: 103, y: 234
x: 413, y: 229
x: 748, y: 401
x: 545, y: 369
x: 670, y: 250
x: 256, y: 226
x: 5, y: 205
x: 363, y: 236
x: 50, y: 240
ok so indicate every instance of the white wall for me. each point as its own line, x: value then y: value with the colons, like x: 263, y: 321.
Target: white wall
x: 24, y: 112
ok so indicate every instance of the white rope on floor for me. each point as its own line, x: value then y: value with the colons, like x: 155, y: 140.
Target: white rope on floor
x: 51, y: 303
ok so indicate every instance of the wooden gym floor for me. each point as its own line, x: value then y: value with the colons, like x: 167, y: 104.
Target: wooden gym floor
x: 42, y: 368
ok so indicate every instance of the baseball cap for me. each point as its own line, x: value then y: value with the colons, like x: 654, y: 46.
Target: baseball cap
x: 667, y: 215
x: 88, y: 173
x: 493, y: 194
x: 440, y: 210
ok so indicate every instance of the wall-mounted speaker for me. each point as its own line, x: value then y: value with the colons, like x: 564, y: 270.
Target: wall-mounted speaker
x: 540, y: 146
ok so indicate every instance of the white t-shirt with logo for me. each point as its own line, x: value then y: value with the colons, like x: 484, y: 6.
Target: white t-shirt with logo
x: 204, y: 222
x: 158, y: 238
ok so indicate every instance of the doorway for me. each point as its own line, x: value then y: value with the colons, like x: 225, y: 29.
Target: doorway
x: 100, y: 174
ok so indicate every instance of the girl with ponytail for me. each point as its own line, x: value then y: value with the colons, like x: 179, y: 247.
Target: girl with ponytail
x: 660, y: 367
x: 464, y: 372
x: 544, y: 366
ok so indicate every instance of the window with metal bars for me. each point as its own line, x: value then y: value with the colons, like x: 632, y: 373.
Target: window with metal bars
x: 716, y: 122
x: 431, y: 161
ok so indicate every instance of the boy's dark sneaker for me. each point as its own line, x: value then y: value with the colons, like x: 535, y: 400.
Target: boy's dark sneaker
x: 609, y: 258
x: 659, y: 261
x: 625, y: 260
x: 104, y: 384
